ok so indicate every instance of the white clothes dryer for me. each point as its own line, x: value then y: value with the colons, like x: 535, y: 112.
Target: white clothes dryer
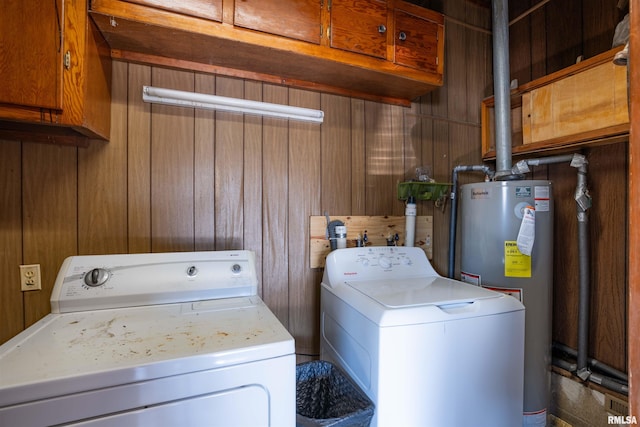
x: 427, y: 350
x: 163, y: 339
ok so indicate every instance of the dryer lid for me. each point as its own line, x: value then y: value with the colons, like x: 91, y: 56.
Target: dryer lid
x: 421, y: 291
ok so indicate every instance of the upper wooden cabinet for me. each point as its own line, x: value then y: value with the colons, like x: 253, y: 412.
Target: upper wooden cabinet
x: 360, y: 26
x: 346, y: 47
x: 56, y: 73
x: 31, y: 54
x: 299, y: 20
x: 209, y: 9
x: 416, y: 41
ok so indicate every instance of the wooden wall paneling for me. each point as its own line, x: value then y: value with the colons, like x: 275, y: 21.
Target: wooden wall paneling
x: 11, y: 298
x: 538, y: 41
x: 435, y: 127
x: 204, y: 169
x: 519, y: 39
x: 465, y: 151
x: 253, y: 171
x: 442, y: 170
x: 172, y: 150
x: 384, y: 152
x: 412, y: 143
x: 599, y: 20
x: 358, y: 158
x: 564, y: 33
x: 49, y: 217
x: 479, y: 66
x: 633, y: 236
x: 229, y: 154
x: 335, y: 156
x: 457, y: 103
x: 138, y: 126
x: 397, y: 156
x: 422, y: 131
x: 305, y: 200
x: 607, y: 222
x: 565, y: 258
x: 102, y: 181
x: 275, y: 248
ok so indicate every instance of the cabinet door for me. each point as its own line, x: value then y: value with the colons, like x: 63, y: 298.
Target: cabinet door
x: 208, y: 9
x: 416, y: 41
x: 298, y: 20
x: 30, y: 53
x: 360, y: 26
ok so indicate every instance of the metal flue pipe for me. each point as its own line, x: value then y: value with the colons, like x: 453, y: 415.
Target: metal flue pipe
x: 501, y: 86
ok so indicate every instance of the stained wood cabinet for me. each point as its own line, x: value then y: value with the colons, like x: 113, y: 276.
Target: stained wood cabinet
x: 345, y: 47
x: 209, y: 9
x: 56, y: 73
x: 360, y: 26
x: 299, y: 20
x: 416, y: 41
x: 31, y: 54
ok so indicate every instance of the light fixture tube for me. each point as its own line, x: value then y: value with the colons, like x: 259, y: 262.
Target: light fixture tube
x: 213, y: 102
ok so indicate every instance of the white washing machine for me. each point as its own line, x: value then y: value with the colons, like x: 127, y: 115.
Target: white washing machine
x: 428, y: 351
x: 164, y: 339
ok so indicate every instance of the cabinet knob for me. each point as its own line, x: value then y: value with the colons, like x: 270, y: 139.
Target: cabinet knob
x: 382, y: 29
x: 402, y: 36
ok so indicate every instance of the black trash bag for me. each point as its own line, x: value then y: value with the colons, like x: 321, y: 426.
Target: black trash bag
x: 325, y: 397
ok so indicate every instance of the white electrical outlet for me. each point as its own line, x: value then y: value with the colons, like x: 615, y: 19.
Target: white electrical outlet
x: 30, y: 277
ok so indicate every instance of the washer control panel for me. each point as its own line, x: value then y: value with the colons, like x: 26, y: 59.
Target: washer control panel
x: 93, y: 282
x: 376, y: 262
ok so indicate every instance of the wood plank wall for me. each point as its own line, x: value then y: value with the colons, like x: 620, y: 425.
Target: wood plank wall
x: 176, y: 179
x: 634, y: 206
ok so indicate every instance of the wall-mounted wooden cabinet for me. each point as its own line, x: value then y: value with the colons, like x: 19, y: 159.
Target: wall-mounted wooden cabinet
x: 416, y: 41
x: 207, y: 9
x: 299, y: 20
x: 56, y: 73
x: 360, y: 27
x: 388, y: 51
x: 583, y: 104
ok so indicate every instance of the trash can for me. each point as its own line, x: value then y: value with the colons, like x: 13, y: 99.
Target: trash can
x: 326, y: 397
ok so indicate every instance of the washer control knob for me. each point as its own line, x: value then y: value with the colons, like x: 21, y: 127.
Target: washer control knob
x: 96, y: 277
x: 236, y: 268
x: 385, y: 262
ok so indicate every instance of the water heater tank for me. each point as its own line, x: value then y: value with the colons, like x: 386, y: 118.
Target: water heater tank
x: 491, y: 220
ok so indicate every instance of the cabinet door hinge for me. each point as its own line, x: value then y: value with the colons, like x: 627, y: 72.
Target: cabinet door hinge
x: 67, y: 60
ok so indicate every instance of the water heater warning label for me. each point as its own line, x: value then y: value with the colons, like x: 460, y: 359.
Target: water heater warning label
x: 542, y: 199
x: 516, y: 264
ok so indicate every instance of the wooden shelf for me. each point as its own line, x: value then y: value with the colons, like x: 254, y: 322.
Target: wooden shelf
x: 584, y: 104
x: 377, y: 228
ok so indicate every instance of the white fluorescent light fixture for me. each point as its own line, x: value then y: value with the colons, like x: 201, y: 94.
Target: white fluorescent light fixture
x: 181, y: 98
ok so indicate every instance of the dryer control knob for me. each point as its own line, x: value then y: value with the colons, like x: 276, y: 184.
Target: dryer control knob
x: 96, y: 277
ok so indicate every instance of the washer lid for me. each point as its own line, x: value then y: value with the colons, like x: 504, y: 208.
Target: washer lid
x: 438, y: 291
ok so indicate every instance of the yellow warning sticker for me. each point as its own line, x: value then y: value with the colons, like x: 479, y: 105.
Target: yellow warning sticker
x: 516, y: 264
